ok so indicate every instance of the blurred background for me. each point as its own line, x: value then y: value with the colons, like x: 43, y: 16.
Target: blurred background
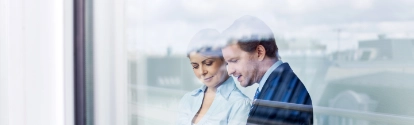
x: 123, y: 62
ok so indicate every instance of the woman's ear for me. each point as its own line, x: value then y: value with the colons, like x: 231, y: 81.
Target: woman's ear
x: 261, y: 52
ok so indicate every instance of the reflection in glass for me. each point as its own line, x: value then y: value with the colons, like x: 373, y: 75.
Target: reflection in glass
x: 355, y: 75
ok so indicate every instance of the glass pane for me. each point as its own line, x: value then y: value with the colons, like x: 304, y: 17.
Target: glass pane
x: 352, y: 56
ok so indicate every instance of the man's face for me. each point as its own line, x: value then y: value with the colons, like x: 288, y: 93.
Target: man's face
x: 241, y: 64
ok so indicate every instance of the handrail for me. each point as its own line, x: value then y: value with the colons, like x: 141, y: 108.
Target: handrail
x: 283, y: 105
x: 370, y: 116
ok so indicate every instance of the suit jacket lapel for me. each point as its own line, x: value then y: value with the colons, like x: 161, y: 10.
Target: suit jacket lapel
x: 270, y: 82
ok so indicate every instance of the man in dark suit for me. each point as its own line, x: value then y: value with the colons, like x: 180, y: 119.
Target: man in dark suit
x: 252, y: 57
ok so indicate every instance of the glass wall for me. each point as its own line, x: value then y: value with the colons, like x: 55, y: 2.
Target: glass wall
x: 356, y: 58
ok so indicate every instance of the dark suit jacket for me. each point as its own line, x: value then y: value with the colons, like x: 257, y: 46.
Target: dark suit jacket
x: 284, y: 86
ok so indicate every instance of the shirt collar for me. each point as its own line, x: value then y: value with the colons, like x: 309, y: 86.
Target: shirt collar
x: 224, y: 89
x: 267, y: 74
x: 199, y: 90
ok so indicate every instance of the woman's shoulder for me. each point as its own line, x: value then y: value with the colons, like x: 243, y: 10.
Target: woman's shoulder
x: 237, y: 95
x: 191, y: 93
x: 239, y: 100
x: 194, y: 92
x: 188, y: 97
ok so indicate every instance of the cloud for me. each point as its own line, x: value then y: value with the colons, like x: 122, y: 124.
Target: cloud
x: 172, y: 23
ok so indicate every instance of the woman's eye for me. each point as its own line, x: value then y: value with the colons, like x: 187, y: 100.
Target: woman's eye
x: 195, y: 67
x: 209, y: 63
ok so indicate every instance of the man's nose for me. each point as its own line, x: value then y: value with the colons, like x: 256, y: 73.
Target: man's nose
x: 230, y: 70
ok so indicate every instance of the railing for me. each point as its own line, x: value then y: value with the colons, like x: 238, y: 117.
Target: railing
x: 360, y: 115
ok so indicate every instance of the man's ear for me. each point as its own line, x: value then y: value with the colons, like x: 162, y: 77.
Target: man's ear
x: 261, y: 52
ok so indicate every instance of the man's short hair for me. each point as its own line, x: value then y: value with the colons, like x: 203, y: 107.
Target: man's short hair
x: 248, y: 32
x: 268, y: 44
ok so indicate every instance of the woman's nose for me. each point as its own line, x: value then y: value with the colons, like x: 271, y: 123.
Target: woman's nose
x: 203, y: 70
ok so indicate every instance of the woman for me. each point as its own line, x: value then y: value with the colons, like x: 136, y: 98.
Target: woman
x: 218, y: 101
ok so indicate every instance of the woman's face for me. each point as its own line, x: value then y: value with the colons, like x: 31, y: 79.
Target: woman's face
x: 209, y: 70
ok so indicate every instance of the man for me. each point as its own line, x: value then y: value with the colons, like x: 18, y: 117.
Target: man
x: 252, y: 58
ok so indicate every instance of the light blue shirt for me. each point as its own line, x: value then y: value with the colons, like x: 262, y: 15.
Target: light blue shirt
x: 230, y: 106
x: 268, y: 72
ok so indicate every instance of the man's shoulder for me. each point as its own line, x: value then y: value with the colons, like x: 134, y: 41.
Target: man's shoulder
x: 282, y: 73
x: 283, y: 68
x: 282, y: 79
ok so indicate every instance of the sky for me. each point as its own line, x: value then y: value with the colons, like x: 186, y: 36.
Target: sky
x: 154, y: 25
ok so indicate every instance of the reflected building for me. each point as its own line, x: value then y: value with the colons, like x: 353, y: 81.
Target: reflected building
x: 377, y: 77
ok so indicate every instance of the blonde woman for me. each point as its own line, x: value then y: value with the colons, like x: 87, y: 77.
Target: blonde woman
x: 218, y: 101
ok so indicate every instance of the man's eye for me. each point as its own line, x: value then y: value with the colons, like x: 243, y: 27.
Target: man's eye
x: 233, y: 61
